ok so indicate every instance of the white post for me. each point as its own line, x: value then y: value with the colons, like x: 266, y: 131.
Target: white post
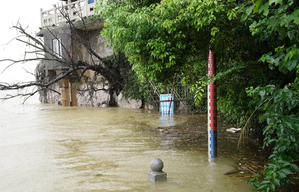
x: 86, y: 8
x: 41, y: 17
x: 55, y: 14
x: 69, y: 7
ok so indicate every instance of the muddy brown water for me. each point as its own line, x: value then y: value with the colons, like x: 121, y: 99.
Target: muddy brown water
x: 53, y: 148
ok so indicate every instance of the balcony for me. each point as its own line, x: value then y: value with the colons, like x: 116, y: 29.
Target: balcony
x: 76, y: 10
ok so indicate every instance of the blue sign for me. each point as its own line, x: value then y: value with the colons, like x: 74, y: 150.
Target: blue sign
x: 164, y: 106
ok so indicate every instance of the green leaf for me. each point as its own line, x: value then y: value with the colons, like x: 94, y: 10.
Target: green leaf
x: 275, y: 2
x: 257, y: 5
x: 286, y: 164
x: 294, y: 17
x: 287, y: 171
x: 265, y: 182
x: 262, y: 93
x: 296, y: 85
x: 294, y: 167
x: 277, y: 182
x: 249, y: 10
x: 291, y: 65
x: 281, y: 174
x: 261, y: 187
x: 265, y: 9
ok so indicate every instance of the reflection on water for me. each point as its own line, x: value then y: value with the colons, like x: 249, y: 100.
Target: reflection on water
x: 167, y: 121
x: 53, y: 148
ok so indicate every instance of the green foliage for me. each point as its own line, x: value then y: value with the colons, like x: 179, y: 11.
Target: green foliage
x: 198, y: 90
x: 276, y: 23
x: 282, y: 133
x: 172, y: 37
x: 131, y: 86
x: 155, y: 38
x: 135, y: 89
x: 256, y: 46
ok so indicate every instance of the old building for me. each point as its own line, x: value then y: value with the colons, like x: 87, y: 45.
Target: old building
x: 66, y: 29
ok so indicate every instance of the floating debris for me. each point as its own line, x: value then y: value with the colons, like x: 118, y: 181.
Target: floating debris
x: 233, y: 130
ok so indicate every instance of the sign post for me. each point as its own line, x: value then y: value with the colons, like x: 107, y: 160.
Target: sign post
x: 212, y: 107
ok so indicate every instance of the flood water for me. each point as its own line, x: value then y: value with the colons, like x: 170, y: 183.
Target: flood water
x: 53, y: 148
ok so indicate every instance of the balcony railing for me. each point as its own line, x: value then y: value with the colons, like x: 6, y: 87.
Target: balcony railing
x: 76, y: 10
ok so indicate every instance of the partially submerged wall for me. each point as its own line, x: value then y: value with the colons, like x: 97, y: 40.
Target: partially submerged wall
x: 92, y: 89
x: 52, y: 97
x: 100, y: 98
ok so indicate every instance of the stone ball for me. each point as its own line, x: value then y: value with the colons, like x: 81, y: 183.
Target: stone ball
x: 156, y: 165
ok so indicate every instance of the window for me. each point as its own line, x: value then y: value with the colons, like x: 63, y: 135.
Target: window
x: 57, y: 47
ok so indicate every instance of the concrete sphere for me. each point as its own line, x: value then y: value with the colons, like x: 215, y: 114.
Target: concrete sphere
x: 157, y: 165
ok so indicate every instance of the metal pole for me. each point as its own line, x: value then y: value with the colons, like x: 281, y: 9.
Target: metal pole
x: 212, y: 107
x: 171, y: 94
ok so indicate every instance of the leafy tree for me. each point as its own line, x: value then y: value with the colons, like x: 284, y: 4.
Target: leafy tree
x: 145, y: 34
x: 256, y: 44
x: 275, y: 22
x: 161, y: 39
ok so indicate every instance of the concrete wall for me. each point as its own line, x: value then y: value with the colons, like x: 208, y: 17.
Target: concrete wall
x: 98, y: 44
x: 62, y: 33
x: 51, y: 97
x: 71, y: 93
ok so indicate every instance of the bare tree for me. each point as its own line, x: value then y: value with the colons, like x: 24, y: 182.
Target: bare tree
x: 69, y: 62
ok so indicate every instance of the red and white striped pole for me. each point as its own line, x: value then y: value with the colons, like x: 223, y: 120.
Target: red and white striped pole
x: 212, y: 107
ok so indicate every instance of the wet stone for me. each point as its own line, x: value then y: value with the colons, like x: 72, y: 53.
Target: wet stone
x: 156, y: 174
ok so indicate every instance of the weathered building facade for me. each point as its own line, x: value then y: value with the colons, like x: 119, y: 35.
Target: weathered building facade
x: 66, y: 41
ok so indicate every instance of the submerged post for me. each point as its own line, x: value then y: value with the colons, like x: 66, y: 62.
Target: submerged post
x: 212, y: 107
x: 156, y: 174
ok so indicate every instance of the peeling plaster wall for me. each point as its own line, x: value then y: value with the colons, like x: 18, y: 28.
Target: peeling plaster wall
x: 100, y: 98
x: 96, y: 99
x: 62, y: 33
x: 51, y: 97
